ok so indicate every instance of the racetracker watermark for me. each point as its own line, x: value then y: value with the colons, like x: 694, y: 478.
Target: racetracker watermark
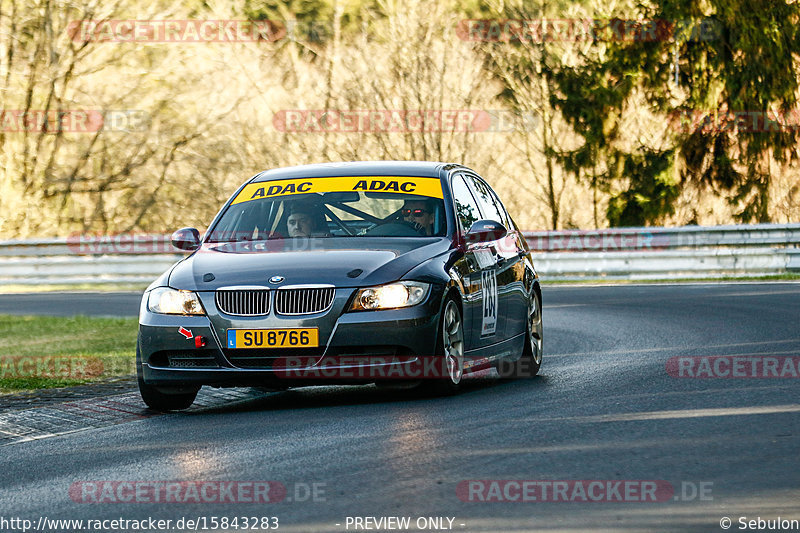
x: 587, y: 30
x: 688, y: 121
x: 378, y: 367
x: 581, y: 490
x: 73, y: 120
x: 148, y: 243
x: 49, y: 366
x: 195, y: 492
x: 402, y: 121
x: 595, y: 240
x: 192, y: 523
x: 734, y: 367
x: 175, y: 31
x: 120, y: 243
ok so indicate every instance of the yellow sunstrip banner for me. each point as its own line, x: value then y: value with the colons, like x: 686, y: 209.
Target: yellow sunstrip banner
x: 431, y: 187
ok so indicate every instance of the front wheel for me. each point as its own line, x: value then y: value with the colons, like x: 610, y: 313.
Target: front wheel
x: 450, y: 345
x: 160, y: 398
x: 528, y: 365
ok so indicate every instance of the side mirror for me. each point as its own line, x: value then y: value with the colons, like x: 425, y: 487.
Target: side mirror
x: 186, y: 239
x: 485, y: 231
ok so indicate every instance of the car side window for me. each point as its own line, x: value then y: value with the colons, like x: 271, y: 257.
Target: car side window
x: 486, y: 199
x: 507, y: 220
x: 467, y: 210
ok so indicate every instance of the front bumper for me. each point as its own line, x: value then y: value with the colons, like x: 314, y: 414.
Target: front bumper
x: 355, y: 347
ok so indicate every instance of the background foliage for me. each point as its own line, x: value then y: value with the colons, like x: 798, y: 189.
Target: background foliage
x: 587, y: 132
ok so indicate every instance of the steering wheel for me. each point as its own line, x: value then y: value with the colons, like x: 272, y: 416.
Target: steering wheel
x: 397, y: 228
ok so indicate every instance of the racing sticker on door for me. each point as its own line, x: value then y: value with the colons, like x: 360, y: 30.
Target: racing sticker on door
x: 489, y: 288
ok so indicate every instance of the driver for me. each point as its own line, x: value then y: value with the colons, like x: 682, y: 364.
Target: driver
x: 420, y: 214
x: 299, y: 224
x: 304, y: 222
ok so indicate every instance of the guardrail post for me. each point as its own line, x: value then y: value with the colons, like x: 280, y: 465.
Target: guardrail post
x: 793, y: 259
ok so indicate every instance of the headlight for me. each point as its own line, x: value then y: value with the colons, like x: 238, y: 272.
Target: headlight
x: 392, y: 296
x: 171, y: 302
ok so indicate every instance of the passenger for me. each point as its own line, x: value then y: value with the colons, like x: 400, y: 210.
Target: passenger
x: 420, y: 213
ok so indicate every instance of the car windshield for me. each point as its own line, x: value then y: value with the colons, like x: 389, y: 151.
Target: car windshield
x: 349, y: 207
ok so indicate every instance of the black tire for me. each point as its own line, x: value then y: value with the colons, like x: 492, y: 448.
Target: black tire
x: 161, y: 398
x: 450, y: 346
x: 529, y: 364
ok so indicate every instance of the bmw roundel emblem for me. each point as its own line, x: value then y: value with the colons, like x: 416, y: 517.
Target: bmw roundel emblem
x: 276, y: 279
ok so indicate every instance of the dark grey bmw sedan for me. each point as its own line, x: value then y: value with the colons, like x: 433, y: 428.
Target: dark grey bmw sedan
x: 347, y: 273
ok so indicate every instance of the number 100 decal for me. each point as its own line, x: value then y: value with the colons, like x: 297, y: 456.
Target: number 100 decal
x: 489, y: 288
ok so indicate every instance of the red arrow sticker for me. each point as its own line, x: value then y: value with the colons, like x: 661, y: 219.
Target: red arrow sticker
x: 185, y: 332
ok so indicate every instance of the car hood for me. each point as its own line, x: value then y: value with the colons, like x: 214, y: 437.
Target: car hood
x: 305, y: 261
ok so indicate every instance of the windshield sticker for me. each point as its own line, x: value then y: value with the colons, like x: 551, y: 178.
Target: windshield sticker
x: 430, y: 187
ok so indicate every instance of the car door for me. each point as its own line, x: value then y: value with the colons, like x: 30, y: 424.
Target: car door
x: 501, y: 277
x: 485, y: 324
x: 513, y: 250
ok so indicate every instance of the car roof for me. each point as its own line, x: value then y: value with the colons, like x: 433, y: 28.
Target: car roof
x: 357, y: 168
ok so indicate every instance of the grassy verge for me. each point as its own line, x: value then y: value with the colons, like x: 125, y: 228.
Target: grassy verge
x: 43, y: 352
x: 89, y: 287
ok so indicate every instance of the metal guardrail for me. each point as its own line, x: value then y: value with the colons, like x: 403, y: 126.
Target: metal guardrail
x: 86, y: 259
x: 627, y: 253
x: 669, y: 264
x: 657, y: 238
x: 667, y: 253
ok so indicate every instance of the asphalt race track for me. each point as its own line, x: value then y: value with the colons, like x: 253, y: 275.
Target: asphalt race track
x: 605, y: 408
x: 71, y: 303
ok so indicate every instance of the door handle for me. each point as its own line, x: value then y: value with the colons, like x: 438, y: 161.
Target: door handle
x: 499, y: 260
